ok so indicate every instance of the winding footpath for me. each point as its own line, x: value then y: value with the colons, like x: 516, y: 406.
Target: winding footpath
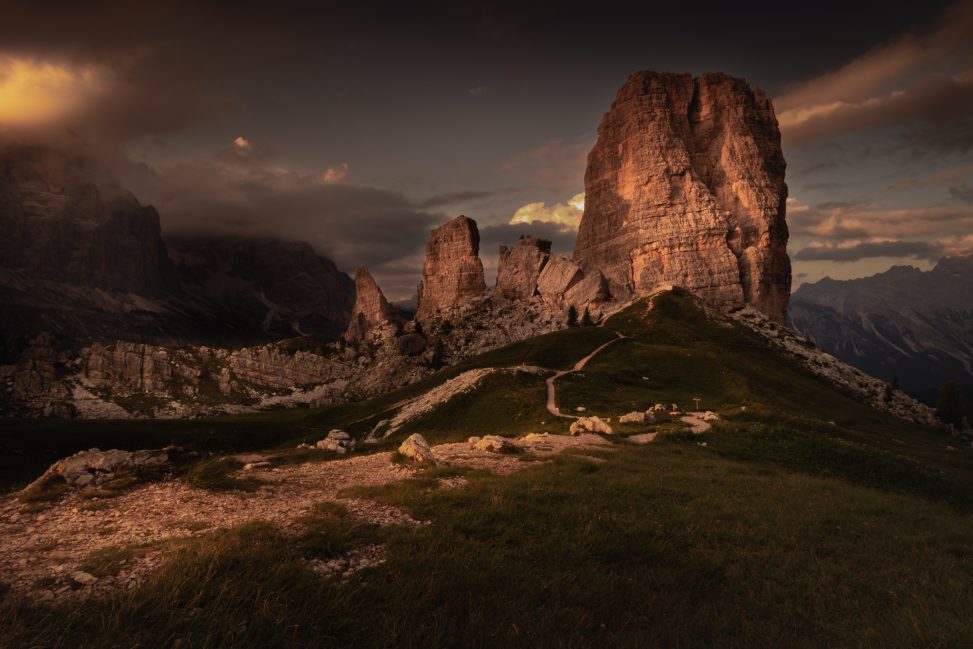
x: 551, y: 397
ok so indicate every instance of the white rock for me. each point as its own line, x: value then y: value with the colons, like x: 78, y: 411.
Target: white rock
x: 250, y: 466
x: 417, y: 449
x: 632, y: 418
x: 535, y: 438
x: 84, y: 578
x: 590, y: 425
x: 580, y: 409
x: 494, y: 444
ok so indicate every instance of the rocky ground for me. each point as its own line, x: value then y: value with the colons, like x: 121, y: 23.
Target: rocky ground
x: 875, y: 392
x: 43, y: 549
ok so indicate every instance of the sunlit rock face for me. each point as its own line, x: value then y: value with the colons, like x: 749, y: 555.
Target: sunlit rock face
x: 521, y: 265
x: 685, y: 186
x: 452, y: 272
x: 371, y: 309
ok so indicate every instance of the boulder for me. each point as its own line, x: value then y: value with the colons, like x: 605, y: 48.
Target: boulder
x: 492, y: 444
x: 338, y: 441
x: 685, y: 186
x: 590, y: 290
x: 417, y: 449
x: 558, y: 275
x: 94, y: 467
x: 521, y: 266
x: 590, y: 425
x: 632, y: 418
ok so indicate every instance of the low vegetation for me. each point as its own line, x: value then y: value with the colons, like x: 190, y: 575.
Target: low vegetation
x: 801, y: 519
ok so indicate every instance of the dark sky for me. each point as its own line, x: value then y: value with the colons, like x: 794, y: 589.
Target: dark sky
x: 360, y: 127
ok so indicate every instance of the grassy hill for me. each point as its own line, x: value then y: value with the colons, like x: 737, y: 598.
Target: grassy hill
x: 803, y: 519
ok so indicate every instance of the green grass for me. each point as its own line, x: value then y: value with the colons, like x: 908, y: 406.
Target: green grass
x: 503, y: 404
x: 778, y: 528
x: 28, y: 447
x: 666, y: 545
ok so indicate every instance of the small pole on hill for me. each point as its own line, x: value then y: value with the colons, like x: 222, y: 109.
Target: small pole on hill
x: 697, y: 400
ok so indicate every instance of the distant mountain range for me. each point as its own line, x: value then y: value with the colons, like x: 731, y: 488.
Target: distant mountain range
x: 905, y: 323
x: 81, y: 258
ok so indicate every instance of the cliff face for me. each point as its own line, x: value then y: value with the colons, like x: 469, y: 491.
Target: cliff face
x: 521, y: 266
x: 282, y: 288
x: 452, y: 272
x: 685, y: 186
x: 371, y: 309
x: 83, y: 260
x: 65, y: 219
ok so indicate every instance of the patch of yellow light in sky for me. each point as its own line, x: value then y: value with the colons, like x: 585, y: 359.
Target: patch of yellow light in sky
x: 34, y: 92
x: 242, y: 142
x: 567, y: 213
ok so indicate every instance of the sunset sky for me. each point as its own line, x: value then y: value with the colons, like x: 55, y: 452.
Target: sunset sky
x: 360, y: 128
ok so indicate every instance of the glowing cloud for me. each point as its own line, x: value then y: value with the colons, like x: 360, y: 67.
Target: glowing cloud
x: 36, y: 92
x: 242, y: 142
x: 336, y: 175
x: 567, y: 213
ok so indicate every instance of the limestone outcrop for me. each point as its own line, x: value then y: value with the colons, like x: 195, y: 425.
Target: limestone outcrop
x: 371, y: 309
x: 521, y: 266
x: 557, y: 276
x: 685, y: 186
x: 452, y: 272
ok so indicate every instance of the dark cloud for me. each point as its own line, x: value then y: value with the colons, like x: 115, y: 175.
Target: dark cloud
x: 962, y: 193
x: 919, y: 81
x: 934, y: 104
x: 946, y: 137
x: 867, y: 250
x: 823, y: 186
x: 831, y: 205
x: 451, y: 198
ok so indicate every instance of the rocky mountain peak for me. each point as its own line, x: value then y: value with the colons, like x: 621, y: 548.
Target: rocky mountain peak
x: 371, y: 309
x: 685, y: 186
x: 452, y: 272
x: 65, y: 218
x: 521, y: 265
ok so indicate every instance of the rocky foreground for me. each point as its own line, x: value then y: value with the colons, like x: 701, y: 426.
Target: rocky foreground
x: 43, y: 549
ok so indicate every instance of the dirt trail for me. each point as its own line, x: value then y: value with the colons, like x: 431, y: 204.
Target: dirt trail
x: 40, y: 551
x: 551, y: 397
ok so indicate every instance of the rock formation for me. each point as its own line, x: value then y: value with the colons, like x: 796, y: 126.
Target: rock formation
x: 282, y: 287
x: 452, y: 272
x: 521, y: 266
x: 64, y: 218
x: 371, y: 309
x: 685, y: 186
x: 557, y: 276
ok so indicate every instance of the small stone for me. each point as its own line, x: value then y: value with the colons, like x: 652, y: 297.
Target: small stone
x: 250, y: 466
x: 632, y: 418
x: 494, y: 444
x: 84, y: 578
